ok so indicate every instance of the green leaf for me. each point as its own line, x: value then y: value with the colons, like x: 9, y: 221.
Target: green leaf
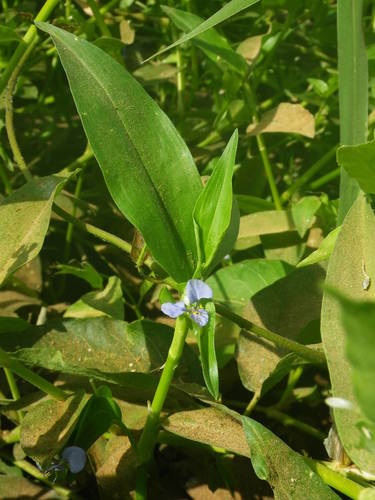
x: 230, y: 9
x: 235, y: 285
x: 209, y: 426
x: 47, y: 426
x: 29, y: 210
x: 214, y: 45
x: 359, y: 162
x: 102, y: 348
x: 324, y: 251
x: 212, y: 212
x: 206, y: 344
x: 287, y: 307
x: 107, y: 302
x: 8, y: 35
x: 87, y: 272
x: 303, y: 212
x: 286, y: 471
x: 97, y: 416
x: 358, y: 320
x: 353, y: 258
x: 147, y: 167
x: 250, y: 204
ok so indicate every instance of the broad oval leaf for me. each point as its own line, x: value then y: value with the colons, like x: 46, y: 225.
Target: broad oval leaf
x: 353, y: 258
x: 147, y: 167
x: 29, y: 210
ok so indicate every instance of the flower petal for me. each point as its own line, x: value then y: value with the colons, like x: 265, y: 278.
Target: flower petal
x: 197, y: 290
x: 173, y: 309
x: 76, y: 458
x: 200, y: 316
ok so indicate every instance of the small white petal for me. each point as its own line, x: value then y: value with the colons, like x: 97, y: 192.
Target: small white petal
x: 340, y: 403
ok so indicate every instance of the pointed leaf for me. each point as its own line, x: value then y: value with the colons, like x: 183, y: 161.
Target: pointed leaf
x: 29, y: 210
x: 303, y: 213
x: 147, y: 167
x: 107, y: 302
x: 288, y: 474
x: 324, y: 251
x: 206, y: 344
x: 230, y: 9
x: 214, y: 45
x: 212, y: 212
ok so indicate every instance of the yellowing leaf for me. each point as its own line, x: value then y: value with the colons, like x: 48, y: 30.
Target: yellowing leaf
x: 286, y: 118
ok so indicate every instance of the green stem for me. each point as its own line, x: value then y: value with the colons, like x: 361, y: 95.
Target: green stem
x: 15, y: 366
x: 287, y: 395
x: 13, y: 389
x: 289, y: 421
x: 99, y: 18
x: 37, y: 474
x: 314, y: 356
x: 268, y: 170
x: 95, y: 231
x: 9, y: 125
x: 325, y: 178
x: 149, y: 434
x: 29, y: 38
x: 353, y: 90
x: 251, y: 104
x: 309, y: 174
x: 69, y: 230
x: 336, y: 480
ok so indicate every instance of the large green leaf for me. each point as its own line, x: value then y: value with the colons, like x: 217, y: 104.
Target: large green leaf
x: 353, y: 258
x: 102, y: 348
x: 235, y: 285
x: 212, y: 212
x: 28, y: 210
x: 358, y: 319
x: 291, y: 307
x: 228, y: 10
x: 214, y: 45
x: 359, y: 162
x: 288, y: 474
x: 47, y: 426
x: 148, y: 168
x: 209, y: 426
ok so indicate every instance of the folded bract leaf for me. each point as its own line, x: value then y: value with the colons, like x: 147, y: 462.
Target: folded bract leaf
x: 212, y: 212
x: 147, y: 167
x: 286, y: 118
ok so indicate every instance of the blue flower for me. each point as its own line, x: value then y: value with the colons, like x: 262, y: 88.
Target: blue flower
x: 195, y: 291
x: 73, y: 458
